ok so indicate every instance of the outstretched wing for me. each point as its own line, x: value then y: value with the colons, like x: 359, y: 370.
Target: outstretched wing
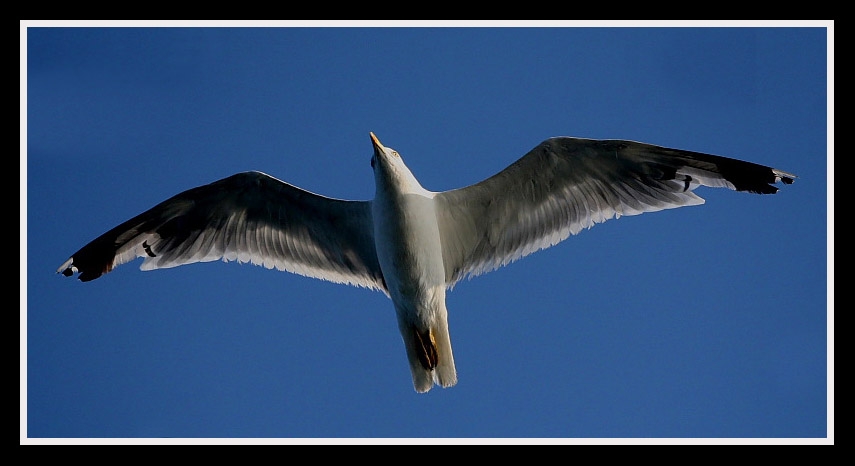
x: 248, y: 217
x: 566, y: 184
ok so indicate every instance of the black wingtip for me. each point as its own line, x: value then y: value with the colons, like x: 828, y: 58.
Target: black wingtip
x: 83, y: 268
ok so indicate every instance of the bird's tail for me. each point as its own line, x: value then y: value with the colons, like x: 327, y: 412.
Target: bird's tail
x: 429, y: 353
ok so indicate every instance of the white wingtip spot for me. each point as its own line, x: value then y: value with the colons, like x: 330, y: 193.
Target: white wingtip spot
x: 65, y: 265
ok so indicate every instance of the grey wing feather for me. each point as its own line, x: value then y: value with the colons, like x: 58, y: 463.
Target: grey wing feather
x: 567, y: 184
x: 247, y: 217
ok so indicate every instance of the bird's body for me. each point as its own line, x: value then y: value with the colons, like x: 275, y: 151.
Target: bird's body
x: 409, y: 249
x: 411, y: 243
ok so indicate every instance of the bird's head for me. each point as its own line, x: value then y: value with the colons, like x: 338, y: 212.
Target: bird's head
x: 390, y: 172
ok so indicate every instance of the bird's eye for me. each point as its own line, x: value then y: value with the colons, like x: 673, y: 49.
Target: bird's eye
x: 395, y: 153
x: 372, y: 161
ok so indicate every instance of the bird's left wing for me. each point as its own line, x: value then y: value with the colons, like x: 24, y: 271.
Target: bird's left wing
x: 248, y: 217
x: 566, y: 184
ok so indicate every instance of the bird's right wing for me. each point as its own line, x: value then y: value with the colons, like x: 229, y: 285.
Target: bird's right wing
x: 248, y: 217
x: 567, y: 184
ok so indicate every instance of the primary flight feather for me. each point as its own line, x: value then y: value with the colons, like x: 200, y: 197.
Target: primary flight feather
x: 413, y: 244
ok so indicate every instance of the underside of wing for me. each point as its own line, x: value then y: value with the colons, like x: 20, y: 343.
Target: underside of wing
x: 568, y: 184
x: 248, y: 217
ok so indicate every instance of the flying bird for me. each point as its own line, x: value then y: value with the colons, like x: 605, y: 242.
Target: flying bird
x: 411, y: 243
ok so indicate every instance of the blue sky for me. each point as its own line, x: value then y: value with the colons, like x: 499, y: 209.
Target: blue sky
x: 708, y: 322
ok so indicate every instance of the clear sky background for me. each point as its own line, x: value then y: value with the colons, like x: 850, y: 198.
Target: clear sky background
x: 701, y: 322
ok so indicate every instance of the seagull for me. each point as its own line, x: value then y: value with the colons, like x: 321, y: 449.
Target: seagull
x: 411, y: 243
